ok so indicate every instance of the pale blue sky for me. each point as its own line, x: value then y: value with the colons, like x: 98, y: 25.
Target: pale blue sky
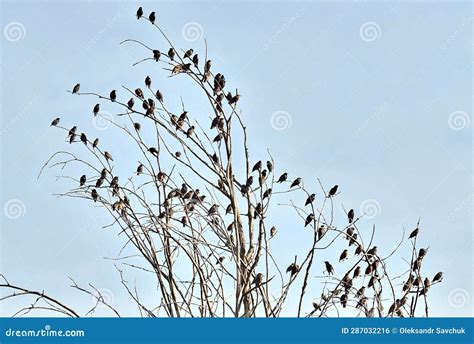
x: 372, y: 115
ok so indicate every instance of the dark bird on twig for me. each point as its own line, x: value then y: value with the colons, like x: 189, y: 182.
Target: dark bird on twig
x: 257, y: 166
x: 156, y: 55
x: 139, y: 93
x: 148, y: 82
x: 130, y: 103
x: 329, y: 268
x: 188, y: 53
x: 422, y: 253
x: 273, y: 232
x: 343, y: 255
x: 99, y: 182
x: 108, y: 156
x: 190, y: 131
x: 139, y: 169
x: 270, y: 166
x: 95, y: 143
x: 215, y: 158
x: 103, y: 173
x: 152, y: 17
x: 293, y: 269
x: 333, y: 191
x: 96, y: 109
x: 214, y: 123
x: 267, y: 193
x: 234, y: 99
x: 343, y: 299
x: 137, y: 126
x: 196, y: 60
x: 350, y: 215
x: 438, y: 277
x: 414, y: 233
x: 94, y: 195
x: 207, y: 66
x: 184, y: 221
x: 76, y: 88
x: 310, y: 199
x: 283, y: 178
x: 249, y: 181
x: 356, y: 272
x: 228, y: 210
x: 309, y: 219
x: 359, y: 250
x: 151, y: 103
x: 258, y: 210
x: 55, y: 122
x: 184, y: 189
x: 71, y: 138
x: 218, y: 138
x: 159, y: 96
x: 139, y: 12
x: 153, y: 151
x: 213, y: 209
x: 258, y: 280
x: 372, y: 251
x: 113, y: 95
x: 72, y: 131
x: 171, y: 54
x: 83, y: 179
x: 296, y: 182
x: 84, y: 139
x: 183, y: 116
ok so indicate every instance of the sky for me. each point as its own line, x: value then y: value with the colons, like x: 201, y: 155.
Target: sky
x: 373, y: 96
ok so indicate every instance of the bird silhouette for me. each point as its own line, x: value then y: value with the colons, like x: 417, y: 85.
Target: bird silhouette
x: 137, y: 126
x: 438, y: 277
x: 207, y: 66
x: 108, y: 156
x: 139, y: 93
x: 350, y: 215
x: 414, y: 233
x: 72, y: 131
x: 283, y: 178
x: 99, y: 182
x: 296, y: 182
x: 140, y: 169
x: 190, y: 131
x: 343, y: 255
x: 71, y: 138
x: 293, y: 268
x: 188, y: 53
x: 153, y: 151
x: 96, y: 109
x: 113, y: 95
x: 356, y: 272
x: 83, y: 179
x: 171, y: 54
x: 159, y: 96
x: 213, y: 209
x: 310, y: 199
x: 249, y: 181
x: 372, y: 251
x: 267, y: 193
x: 95, y: 143
x: 139, y: 12
x: 273, y: 232
x: 270, y: 166
x: 196, y: 60
x: 258, y: 280
x: 152, y: 17
x: 333, y: 191
x: 156, y: 55
x: 148, y: 82
x: 84, y: 138
x: 329, y: 268
x: 130, y: 103
x: 76, y: 88
x: 94, y: 195
x: 257, y: 166
x: 55, y: 122
x: 309, y: 219
x: 218, y: 138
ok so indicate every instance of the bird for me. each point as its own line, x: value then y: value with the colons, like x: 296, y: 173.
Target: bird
x: 356, y: 272
x: 322, y: 230
x: 350, y: 215
x: 94, y: 195
x: 113, y: 95
x: 343, y: 255
x: 329, y: 268
x: 72, y: 131
x: 343, y: 299
x: 84, y: 138
x: 71, y: 138
x: 156, y: 55
x: 258, y: 280
x: 249, y: 181
x: 310, y: 199
x: 108, y: 156
x: 214, y: 122
x: 95, y: 143
x: 414, y: 233
x: 190, y: 131
x: 55, y: 122
x: 257, y: 166
x: 270, y: 166
x: 273, y: 232
x: 99, y: 182
x: 148, y: 82
x: 183, y: 116
x: 139, y: 93
x: 196, y: 60
x: 171, y: 54
x: 218, y: 138
x: 438, y: 277
x: 296, y: 182
x: 267, y: 193
x: 83, y: 179
x: 213, y: 209
x: 283, y: 178
x: 139, y: 13
x: 207, y: 66
x: 76, y: 88
x: 333, y: 191
x: 139, y: 169
x: 152, y: 17
x: 159, y: 96
x: 360, y: 292
x: 422, y: 253
x: 309, y: 219
x: 372, y: 251
x: 293, y: 269
x: 184, y: 221
x: 215, y: 158
x: 137, y: 126
x: 96, y: 109
x: 188, y: 53
x: 153, y: 151
x: 130, y: 103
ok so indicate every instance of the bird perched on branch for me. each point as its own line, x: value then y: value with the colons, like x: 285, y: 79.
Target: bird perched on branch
x: 372, y: 251
x: 130, y: 103
x: 152, y: 17
x: 283, y: 178
x: 310, y: 199
x: 83, y: 179
x: 171, y: 54
x: 76, y: 88
x: 96, y: 109
x: 196, y: 60
x: 293, y: 269
x: 270, y: 166
x: 159, y: 96
x: 148, y: 82
x: 257, y: 166
x: 139, y: 93
x: 356, y: 272
x: 267, y: 193
x: 213, y: 209
x: 140, y: 169
x: 333, y: 191
x: 414, y: 233
x: 438, y: 277
x: 95, y: 143
x: 139, y: 13
x: 344, y: 255
x: 188, y: 53
x: 296, y: 182
x: 258, y: 280
x: 153, y: 151
x: 309, y: 219
x: 108, y: 156
x: 273, y: 232
x: 55, y: 122
x: 84, y: 139
x: 190, y: 131
x: 94, y: 195
x: 113, y: 95
x: 156, y: 55
x: 350, y: 215
x: 207, y: 66
x: 329, y: 268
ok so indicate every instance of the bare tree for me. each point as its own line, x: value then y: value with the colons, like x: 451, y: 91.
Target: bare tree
x: 201, y: 225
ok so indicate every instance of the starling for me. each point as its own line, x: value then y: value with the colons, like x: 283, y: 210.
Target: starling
x: 371, y: 282
x: 270, y: 166
x: 372, y: 251
x: 103, y: 173
x: 184, y: 221
x: 139, y: 169
x: 214, y: 123
x: 283, y: 178
x: 356, y: 272
x: 137, y: 126
x: 438, y: 277
x: 94, y: 195
x: 218, y: 138
x: 273, y: 231
x: 359, y: 250
x: 267, y: 193
x: 333, y: 191
x: 152, y: 17
x: 148, y: 82
x: 190, y: 131
x: 258, y: 209
x: 309, y: 219
x: 293, y: 269
x: 76, y: 88
x: 156, y: 55
x: 113, y: 95
x: 322, y: 230
x: 360, y: 292
x: 213, y: 209
x: 171, y: 54
x: 234, y: 99
x: 95, y: 143
x: 350, y: 215
x: 368, y: 270
x: 344, y: 255
x: 96, y: 109
x: 84, y: 138
x: 108, y: 156
x: 296, y: 182
x: 257, y: 166
x: 55, y: 122
x: 249, y: 181
x: 422, y: 253
x: 414, y: 233
x: 228, y: 210
x: 196, y: 60
x: 139, y: 93
x: 99, y: 182
x: 258, y: 280
x: 343, y: 299
x: 183, y: 116
x: 153, y: 151
x: 151, y: 102
x: 215, y: 158
x: 72, y: 131
x: 329, y: 268
x: 159, y: 96
x: 130, y: 103
x: 139, y: 12
x: 83, y: 179
x: 188, y: 53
